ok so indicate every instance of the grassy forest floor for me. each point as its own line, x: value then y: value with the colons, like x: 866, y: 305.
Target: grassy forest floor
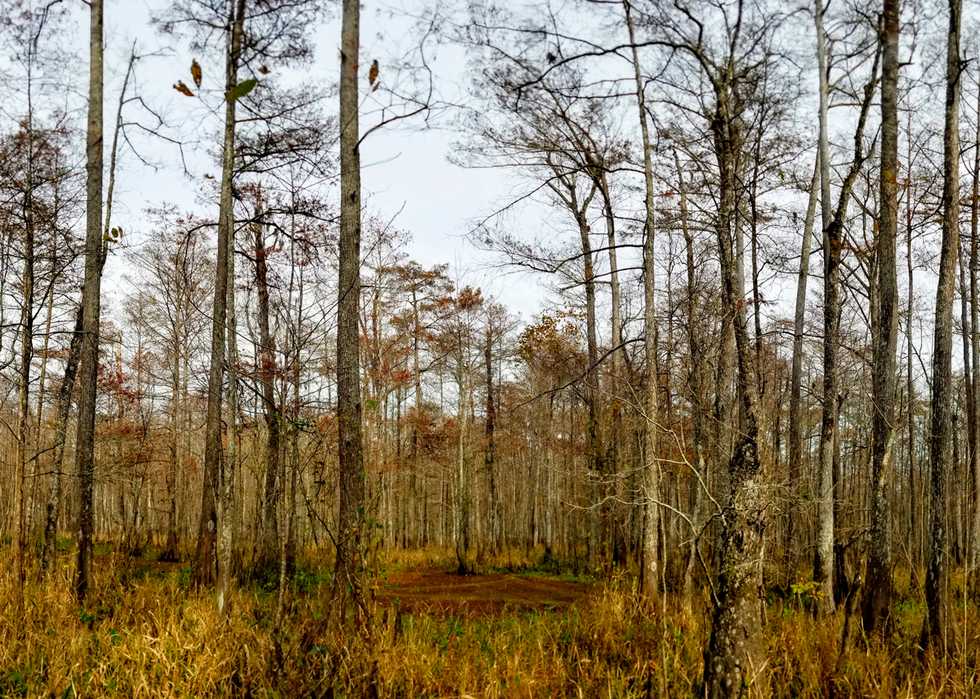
x: 515, y: 629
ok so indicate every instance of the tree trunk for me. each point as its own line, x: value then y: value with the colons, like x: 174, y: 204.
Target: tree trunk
x: 490, y: 454
x: 349, y: 566
x: 796, y: 381
x: 91, y: 305
x: 205, y: 554
x: 229, y: 464
x: 823, y: 560
x: 53, y: 509
x: 736, y: 645
x: 649, y: 570
x: 698, y: 381
x: 975, y: 342
x: 462, y: 482
x: 942, y: 352
x: 878, y: 577
x: 268, y: 545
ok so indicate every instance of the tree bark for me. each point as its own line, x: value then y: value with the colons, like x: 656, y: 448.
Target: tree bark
x: 942, y: 351
x: 91, y: 305
x: 229, y: 463
x: 735, y: 647
x: 823, y: 560
x: 796, y: 380
x: 349, y: 566
x: 649, y: 570
x: 268, y: 545
x: 975, y: 341
x: 878, y: 577
x: 205, y: 553
x: 490, y: 453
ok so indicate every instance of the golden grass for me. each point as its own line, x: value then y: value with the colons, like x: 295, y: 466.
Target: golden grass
x: 146, y: 634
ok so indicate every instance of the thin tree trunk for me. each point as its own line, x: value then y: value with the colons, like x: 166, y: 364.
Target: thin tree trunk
x: 268, y: 545
x: 975, y: 341
x: 205, y: 554
x: 823, y: 560
x: 913, y: 539
x: 796, y: 382
x: 698, y: 381
x: 227, y: 466
x: 649, y: 570
x: 53, y: 509
x: 24, y: 375
x: 462, y: 484
x: 490, y: 454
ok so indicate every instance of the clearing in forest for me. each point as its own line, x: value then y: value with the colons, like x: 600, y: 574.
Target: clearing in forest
x: 434, y: 591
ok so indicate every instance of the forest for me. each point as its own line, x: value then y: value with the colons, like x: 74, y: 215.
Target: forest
x: 683, y: 403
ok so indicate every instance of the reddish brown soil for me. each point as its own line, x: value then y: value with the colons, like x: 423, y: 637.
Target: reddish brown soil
x: 468, y: 595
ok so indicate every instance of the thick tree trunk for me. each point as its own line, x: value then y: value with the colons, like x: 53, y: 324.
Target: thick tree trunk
x: 735, y: 648
x: 878, y: 577
x: 934, y: 632
x: 349, y: 566
x: 91, y: 306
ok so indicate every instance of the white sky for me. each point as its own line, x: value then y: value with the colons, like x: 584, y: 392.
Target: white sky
x: 406, y: 169
x: 406, y: 172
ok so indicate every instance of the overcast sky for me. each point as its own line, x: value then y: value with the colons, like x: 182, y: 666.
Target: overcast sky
x: 407, y: 175
x: 406, y: 171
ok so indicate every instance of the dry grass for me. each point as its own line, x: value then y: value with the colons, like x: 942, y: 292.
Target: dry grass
x: 146, y: 634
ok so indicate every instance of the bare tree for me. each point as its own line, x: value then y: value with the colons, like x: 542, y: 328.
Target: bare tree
x: 940, y: 444
x: 91, y: 304
x: 878, y: 577
x: 651, y: 486
x: 349, y: 563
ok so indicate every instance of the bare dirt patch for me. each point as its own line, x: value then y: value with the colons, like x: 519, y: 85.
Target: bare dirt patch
x: 476, y: 595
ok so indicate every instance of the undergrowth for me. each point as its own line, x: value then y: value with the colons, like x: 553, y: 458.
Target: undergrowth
x: 145, y: 632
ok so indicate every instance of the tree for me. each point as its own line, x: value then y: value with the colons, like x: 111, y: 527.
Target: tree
x: 934, y: 631
x: 651, y: 486
x: 350, y: 525
x: 91, y: 303
x: 878, y: 580
x: 735, y: 77
x: 205, y: 554
x: 268, y: 545
x: 834, y: 220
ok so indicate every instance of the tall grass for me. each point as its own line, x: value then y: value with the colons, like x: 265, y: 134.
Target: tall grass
x: 146, y: 633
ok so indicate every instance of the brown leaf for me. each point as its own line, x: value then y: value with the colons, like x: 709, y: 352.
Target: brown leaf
x: 196, y: 72
x: 182, y: 88
x: 373, y: 74
x: 264, y: 70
